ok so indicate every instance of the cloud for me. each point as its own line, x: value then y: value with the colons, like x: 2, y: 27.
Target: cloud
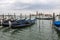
x: 29, y: 4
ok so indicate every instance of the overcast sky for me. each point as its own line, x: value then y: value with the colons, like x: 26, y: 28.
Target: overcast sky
x: 25, y: 6
x: 30, y: 4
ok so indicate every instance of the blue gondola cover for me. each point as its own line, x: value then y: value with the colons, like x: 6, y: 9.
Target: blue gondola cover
x: 57, y: 23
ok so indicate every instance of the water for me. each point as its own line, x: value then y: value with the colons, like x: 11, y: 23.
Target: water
x: 42, y: 30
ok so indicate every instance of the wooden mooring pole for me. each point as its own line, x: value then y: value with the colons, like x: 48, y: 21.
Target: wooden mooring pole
x: 53, y: 17
x: 30, y: 16
x: 20, y: 16
x: 25, y: 16
x: 3, y: 16
x: 36, y: 14
x: 59, y: 16
x: 53, y: 20
x: 14, y: 16
x: 39, y: 21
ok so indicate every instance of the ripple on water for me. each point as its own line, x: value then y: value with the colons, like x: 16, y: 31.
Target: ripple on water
x: 42, y: 30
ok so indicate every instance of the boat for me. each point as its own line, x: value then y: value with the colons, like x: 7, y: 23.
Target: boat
x: 57, y: 25
x: 26, y: 23
x: 18, y: 23
x: 6, y: 23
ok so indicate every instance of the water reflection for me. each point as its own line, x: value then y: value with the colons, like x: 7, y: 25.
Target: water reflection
x: 42, y: 30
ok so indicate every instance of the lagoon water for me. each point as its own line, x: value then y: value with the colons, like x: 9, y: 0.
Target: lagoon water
x: 42, y: 30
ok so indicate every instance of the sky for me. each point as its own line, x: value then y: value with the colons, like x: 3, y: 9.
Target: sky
x: 30, y: 5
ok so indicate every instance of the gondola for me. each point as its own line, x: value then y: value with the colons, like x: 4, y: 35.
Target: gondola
x: 28, y: 22
x: 19, y: 23
x: 57, y: 25
x: 6, y: 23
